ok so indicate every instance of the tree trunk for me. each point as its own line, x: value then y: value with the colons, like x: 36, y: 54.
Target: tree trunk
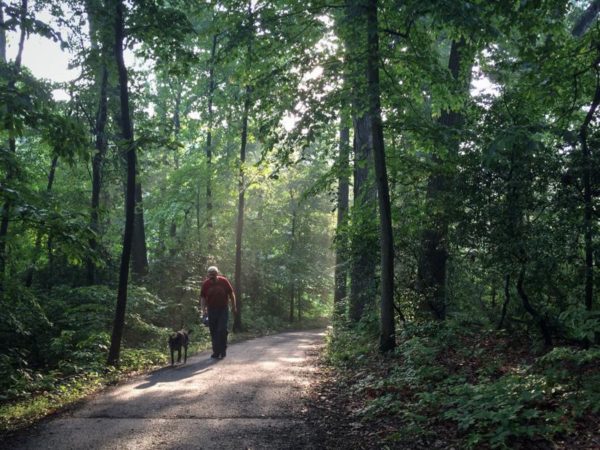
x: 12, y: 143
x: 292, y: 302
x: 237, y: 319
x: 101, y: 145
x: 506, y: 300
x: 387, y: 340
x: 127, y: 132
x: 177, y: 122
x: 176, y: 130
x: 38, y: 239
x: 99, y: 46
x: 588, y: 201
x: 586, y: 19
x: 546, y: 334
x: 292, y: 273
x: 139, y: 251
x: 209, y: 200
x: 2, y: 37
x: 364, y: 244
x: 341, y: 255
x: 434, y: 241
x: 364, y: 235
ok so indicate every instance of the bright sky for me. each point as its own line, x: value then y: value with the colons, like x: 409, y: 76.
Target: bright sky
x: 43, y: 57
x: 47, y: 60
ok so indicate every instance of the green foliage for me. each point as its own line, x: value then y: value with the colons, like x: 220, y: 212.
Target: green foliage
x: 513, y: 407
x: 566, y: 366
x: 56, y: 395
x: 445, y: 374
x: 142, y: 359
x: 144, y: 312
x: 67, y: 333
x: 580, y: 324
x: 256, y: 322
x: 350, y: 345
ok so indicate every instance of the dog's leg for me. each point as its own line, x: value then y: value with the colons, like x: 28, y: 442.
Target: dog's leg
x: 172, y: 357
x: 179, y: 355
x: 185, y: 354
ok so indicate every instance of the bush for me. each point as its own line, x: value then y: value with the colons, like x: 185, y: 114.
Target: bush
x: 495, y: 413
x: 580, y: 324
x: 351, y: 345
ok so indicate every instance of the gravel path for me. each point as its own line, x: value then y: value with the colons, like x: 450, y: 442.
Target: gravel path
x: 253, y: 399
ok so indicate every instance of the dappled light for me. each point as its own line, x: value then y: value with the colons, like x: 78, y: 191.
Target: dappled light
x: 258, y: 387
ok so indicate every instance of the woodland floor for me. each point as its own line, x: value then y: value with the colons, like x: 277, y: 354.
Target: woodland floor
x: 334, y: 405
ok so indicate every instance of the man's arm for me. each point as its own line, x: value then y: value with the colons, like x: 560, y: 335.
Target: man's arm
x: 231, y: 295
x: 233, y: 302
x: 203, y: 307
x: 203, y: 304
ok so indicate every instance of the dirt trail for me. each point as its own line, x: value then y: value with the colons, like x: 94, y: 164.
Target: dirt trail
x: 253, y: 399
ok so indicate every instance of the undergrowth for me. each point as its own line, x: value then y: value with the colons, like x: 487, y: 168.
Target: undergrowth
x: 467, y: 386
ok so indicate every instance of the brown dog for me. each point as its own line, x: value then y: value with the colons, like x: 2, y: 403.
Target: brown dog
x: 178, y: 340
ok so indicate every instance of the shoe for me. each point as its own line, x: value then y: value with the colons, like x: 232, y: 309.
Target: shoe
x: 214, y: 356
x: 223, y: 355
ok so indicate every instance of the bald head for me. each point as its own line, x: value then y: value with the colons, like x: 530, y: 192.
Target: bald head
x: 212, y: 272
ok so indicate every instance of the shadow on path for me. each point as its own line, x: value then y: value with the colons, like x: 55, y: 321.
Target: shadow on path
x: 177, y: 373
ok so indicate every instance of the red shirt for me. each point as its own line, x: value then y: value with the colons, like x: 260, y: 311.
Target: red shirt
x: 216, y: 291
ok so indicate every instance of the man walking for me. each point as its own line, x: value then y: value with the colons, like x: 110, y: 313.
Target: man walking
x: 216, y: 290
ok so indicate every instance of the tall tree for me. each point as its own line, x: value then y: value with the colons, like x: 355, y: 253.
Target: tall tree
x: 341, y: 254
x: 364, y: 227
x: 387, y: 339
x: 99, y: 46
x: 239, y: 231
x: 2, y: 37
x: 12, y: 138
x: 38, y: 239
x: 579, y: 29
x: 127, y: 133
x: 434, y: 240
x: 209, y: 145
x: 139, y: 249
x: 587, y: 171
x: 292, y: 255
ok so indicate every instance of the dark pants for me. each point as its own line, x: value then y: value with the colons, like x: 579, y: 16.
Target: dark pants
x: 217, y: 324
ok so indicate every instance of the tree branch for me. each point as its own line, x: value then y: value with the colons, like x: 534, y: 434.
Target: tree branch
x: 585, y: 21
